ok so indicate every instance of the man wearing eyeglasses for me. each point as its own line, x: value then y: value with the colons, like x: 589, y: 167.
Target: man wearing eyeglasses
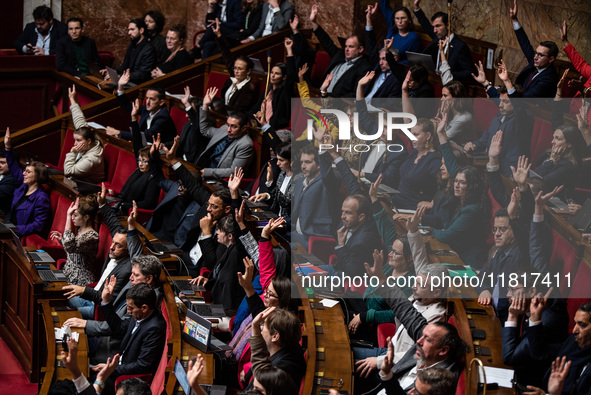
x: 539, y: 77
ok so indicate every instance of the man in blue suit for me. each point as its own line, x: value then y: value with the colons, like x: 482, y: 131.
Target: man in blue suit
x: 41, y: 37
x: 458, y: 56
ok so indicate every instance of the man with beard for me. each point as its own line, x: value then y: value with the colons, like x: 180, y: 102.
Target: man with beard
x: 76, y: 52
x: 429, y: 302
x: 438, y: 344
x: 140, y: 57
x: 41, y: 37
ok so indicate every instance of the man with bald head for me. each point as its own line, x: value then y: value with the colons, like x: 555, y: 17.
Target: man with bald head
x: 346, y: 65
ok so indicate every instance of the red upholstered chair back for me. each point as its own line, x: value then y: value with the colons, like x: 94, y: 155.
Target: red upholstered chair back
x: 320, y: 66
x: 110, y: 155
x: 68, y: 144
x: 562, y: 261
x: 126, y: 164
x: 385, y: 330
x: 217, y: 80
x: 484, y: 112
x: 541, y: 139
x: 105, y: 241
x: 321, y: 247
x: 179, y: 118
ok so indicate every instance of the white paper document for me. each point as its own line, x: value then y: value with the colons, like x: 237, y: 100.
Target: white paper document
x: 497, y: 375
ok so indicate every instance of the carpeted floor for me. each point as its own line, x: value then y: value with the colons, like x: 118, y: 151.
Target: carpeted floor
x: 12, y: 378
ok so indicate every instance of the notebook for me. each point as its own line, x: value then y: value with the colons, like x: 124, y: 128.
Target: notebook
x: 197, y: 331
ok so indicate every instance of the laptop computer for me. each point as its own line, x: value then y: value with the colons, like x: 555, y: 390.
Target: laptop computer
x: 207, y: 310
x: 420, y: 58
x: 86, y: 188
x: 34, y: 257
x: 181, y: 376
x: 160, y: 247
x: 582, y: 219
x: 197, y: 331
x: 184, y: 286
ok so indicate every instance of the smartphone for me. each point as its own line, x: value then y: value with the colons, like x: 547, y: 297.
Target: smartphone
x: 519, y: 387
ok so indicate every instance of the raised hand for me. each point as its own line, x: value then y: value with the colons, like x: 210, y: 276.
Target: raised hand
x: 245, y: 280
x: 7, y: 141
x: 196, y: 366
x: 209, y: 96
x: 560, y: 369
x: 326, y: 82
x: 123, y: 80
x: 388, y: 44
x: 72, y: 94
x: 294, y: 24
x: 502, y: 71
x: 412, y: 223
x: 517, y: 308
x: 235, y: 179
x: 171, y: 153
x: 416, y: 4
x: 185, y: 98
x: 522, y: 172
x: 442, y: 45
x: 70, y: 359
x: 239, y: 215
x: 302, y: 71
x: 561, y: 83
x: 377, y: 270
x: 101, y: 197
x: 215, y: 28
x: 272, y: 226
x: 513, y: 206
x: 108, y: 289
x: 582, y: 122
x: 495, y: 146
x: 288, y: 43
x: 313, y: 13
x: 155, y: 145
x: 513, y: 11
x: 406, y: 82
x: 108, y: 368
x: 564, y: 33
x: 157, y: 73
x: 366, y: 78
x: 135, y: 109
x: 480, y: 77
x: 542, y: 199
x: 373, y: 189
x: 131, y: 220
x: 388, y: 362
x: 538, y: 305
x: 269, y: 172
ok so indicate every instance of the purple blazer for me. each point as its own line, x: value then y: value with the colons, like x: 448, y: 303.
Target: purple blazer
x: 32, y: 216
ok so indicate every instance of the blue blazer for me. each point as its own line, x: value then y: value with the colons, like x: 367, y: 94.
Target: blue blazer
x: 459, y: 57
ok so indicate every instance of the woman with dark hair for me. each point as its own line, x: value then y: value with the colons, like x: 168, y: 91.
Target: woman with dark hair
x: 418, y: 172
x: 141, y: 186
x: 179, y: 57
x: 279, y: 196
x: 275, y: 108
x: 82, y: 247
x: 456, y: 114
x: 30, y: 204
x: 154, y: 21
x: 400, y: 29
x: 463, y: 217
x: 560, y: 165
x: 85, y: 159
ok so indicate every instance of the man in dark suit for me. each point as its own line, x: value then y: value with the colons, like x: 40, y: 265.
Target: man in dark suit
x: 154, y: 116
x: 76, y: 52
x: 41, y: 37
x: 386, y: 83
x: 347, y: 66
x: 7, y: 186
x: 144, y: 334
x: 140, y: 57
x: 458, y: 56
x: 124, y: 246
x: 539, y: 77
x: 231, y: 17
x: 145, y: 270
x: 312, y: 213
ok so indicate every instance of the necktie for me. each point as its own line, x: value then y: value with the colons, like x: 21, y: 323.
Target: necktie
x: 531, y: 77
x: 137, y: 325
x: 218, y: 151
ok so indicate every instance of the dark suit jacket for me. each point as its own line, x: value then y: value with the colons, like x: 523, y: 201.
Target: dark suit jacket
x: 29, y: 36
x: 346, y: 86
x: 234, y: 16
x: 66, y: 54
x: 458, y: 58
x: 7, y: 186
x: 280, y: 19
x: 140, y: 59
x: 392, y: 86
x: 161, y: 123
x: 141, y: 351
x: 544, y: 85
x: 359, y: 249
